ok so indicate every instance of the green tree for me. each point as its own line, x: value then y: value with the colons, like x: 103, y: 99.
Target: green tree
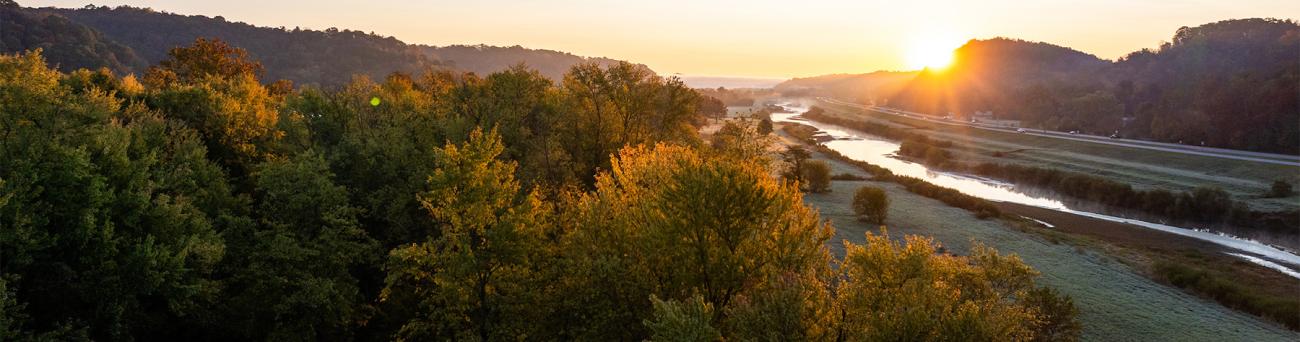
x: 113, y: 212
x: 468, y: 279
x: 741, y: 139
x: 712, y: 108
x: 1058, y: 317
x: 1280, y: 189
x: 871, y: 204
x: 682, y: 321
x: 906, y: 291
x: 622, y: 105
x: 293, y: 271
x: 787, y: 307
x: 671, y: 222
x: 381, y: 153
x: 818, y: 175
x: 795, y: 156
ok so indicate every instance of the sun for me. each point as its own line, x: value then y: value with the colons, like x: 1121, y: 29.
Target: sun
x: 932, y: 53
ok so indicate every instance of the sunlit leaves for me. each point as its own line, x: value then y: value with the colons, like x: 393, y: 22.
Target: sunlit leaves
x: 467, y: 279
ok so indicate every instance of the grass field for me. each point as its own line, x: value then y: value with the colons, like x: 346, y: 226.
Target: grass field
x: 1116, y: 301
x: 1144, y: 169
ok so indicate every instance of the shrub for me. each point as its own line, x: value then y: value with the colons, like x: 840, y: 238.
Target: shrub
x: 871, y: 204
x: 1280, y: 189
x: 1229, y: 293
x: 818, y: 175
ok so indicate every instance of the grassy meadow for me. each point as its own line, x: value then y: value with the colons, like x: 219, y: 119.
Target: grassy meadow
x: 1115, y: 300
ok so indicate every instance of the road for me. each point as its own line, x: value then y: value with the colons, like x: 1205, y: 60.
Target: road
x: 1270, y: 158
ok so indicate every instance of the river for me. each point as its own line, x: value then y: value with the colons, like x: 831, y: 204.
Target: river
x: 879, y: 151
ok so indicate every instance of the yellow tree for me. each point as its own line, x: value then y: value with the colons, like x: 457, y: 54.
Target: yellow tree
x: 213, y: 88
x: 674, y: 223
x: 468, y: 279
x: 904, y: 291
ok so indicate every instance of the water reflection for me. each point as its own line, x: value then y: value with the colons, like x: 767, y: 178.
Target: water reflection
x: 867, y: 148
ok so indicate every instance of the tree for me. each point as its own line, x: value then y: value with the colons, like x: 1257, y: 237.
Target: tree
x: 213, y: 88
x: 740, y: 139
x: 674, y: 223
x: 205, y: 58
x: 765, y: 126
x: 906, y: 291
x: 871, y: 204
x: 789, y: 307
x: 795, y: 156
x: 1058, y: 317
x: 623, y: 105
x: 818, y: 175
x: 293, y: 271
x: 213, y: 208
x: 113, y: 213
x: 712, y: 108
x: 682, y: 321
x: 381, y: 153
x: 468, y: 278
x: 1280, y: 189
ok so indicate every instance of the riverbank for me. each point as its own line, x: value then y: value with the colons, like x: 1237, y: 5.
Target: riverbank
x: 1206, y: 207
x: 1143, y: 169
x: 1117, y: 295
x: 1206, y: 269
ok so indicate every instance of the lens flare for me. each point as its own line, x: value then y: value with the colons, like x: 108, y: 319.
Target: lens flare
x: 932, y: 53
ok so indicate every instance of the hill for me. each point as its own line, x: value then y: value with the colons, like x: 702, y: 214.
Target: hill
x: 328, y: 57
x: 69, y: 44
x: 1233, y: 83
x: 1229, y: 84
x: 993, y: 74
x: 127, y: 39
x: 856, y: 87
x: 486, y: 59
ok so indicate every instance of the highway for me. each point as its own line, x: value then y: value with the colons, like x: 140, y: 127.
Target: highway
x: 1270, y: 158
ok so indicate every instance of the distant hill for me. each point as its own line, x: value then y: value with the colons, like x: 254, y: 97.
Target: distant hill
x: 67, y: 43
x: 862, y: 88
x: 985, y: 73
x: 327, y: 57
x: 1232, y: 84
x: 485, y: 59
x: 732, y: 82
x: 127, y: 39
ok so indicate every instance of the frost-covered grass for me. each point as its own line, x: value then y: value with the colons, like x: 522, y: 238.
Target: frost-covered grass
x: 1114, y: 300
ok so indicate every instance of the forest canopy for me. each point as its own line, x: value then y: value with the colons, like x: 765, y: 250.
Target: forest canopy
x: 198, y: 202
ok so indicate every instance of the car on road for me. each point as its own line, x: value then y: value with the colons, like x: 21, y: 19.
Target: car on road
x: 1021, y: 130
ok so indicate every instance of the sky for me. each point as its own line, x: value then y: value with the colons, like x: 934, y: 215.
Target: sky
x: 756, y: 38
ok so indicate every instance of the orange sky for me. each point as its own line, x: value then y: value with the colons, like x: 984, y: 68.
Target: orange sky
x: 758, y: 38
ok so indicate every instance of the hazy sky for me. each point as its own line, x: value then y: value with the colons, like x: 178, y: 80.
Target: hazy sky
x: 741, y: 38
